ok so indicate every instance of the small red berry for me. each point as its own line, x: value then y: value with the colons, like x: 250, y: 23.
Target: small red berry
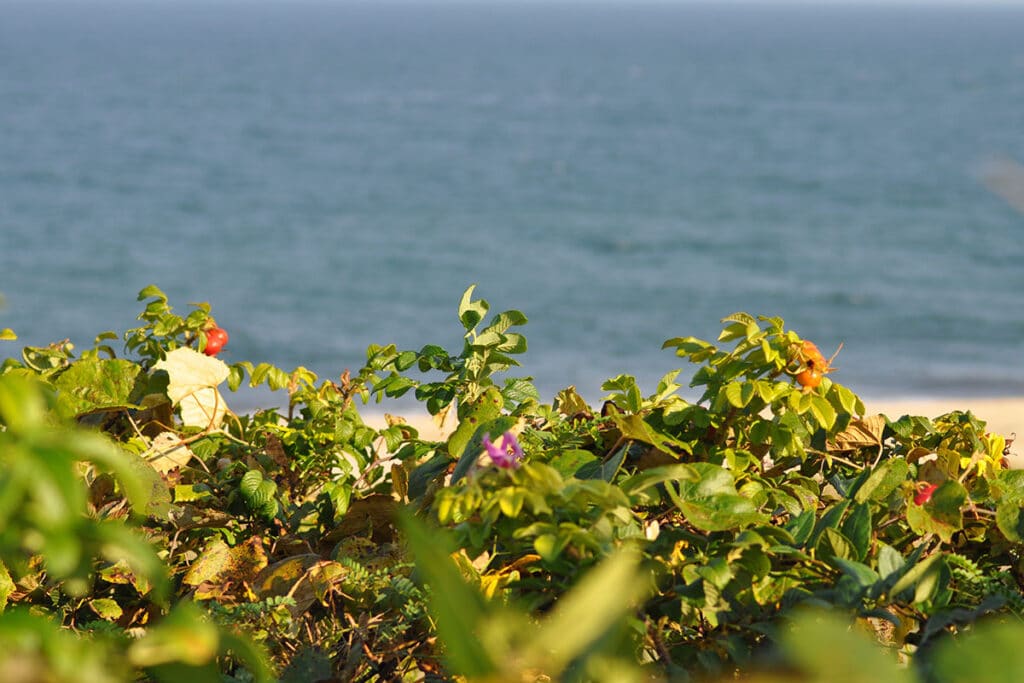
x: 924, y: 492
x: 216, y: 338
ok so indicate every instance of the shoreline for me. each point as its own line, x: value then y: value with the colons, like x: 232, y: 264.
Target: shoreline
x: 1002, y: 414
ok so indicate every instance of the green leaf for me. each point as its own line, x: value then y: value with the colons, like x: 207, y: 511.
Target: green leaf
x: 864, y: 575
x: 847, y: 400
x: 1010, y: 520
x: 510, y: 501
x: 1008, y: 486
x: 657, y: 475
x: 885, y: 479
x: 249, y: 486
x: 6, y: 586
x: 7, y: 334
x: 150, y: 292
x: 801, y: 527
x: 824, y: 647
x: 739, y: 394
x: 712, y: 503
x: 606, y: 469
x: 829, y: 520
x: 635, y: 428
x: 857, y: 528
x: 823, y: 412
x: 250, y: 654
x: 833, y: 543
x: 471, y: 312
x: 184, y: 636
x: 889, y: 560
x: 569, y: 462
x: 106, y: 608
x: 519, y: 390
x: 459, y: 610
x: 155, y: 497
x: 923, y: 577
x: 506, y: 319
x: 990, y: 652
x: 188, y: 493
x: 121, y: 543
x: 596, y: 604
x: 95, y: 384
x: 471, y: 453
x: 550, y: 546
x: 744, y: 319
x: 472, y: 415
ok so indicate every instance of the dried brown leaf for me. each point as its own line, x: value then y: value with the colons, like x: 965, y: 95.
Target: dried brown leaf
x: 860, y: 433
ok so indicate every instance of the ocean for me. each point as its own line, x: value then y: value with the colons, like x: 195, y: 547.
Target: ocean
x: 330, y: 175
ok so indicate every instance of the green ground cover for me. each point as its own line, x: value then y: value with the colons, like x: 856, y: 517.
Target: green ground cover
x: 768, y: 530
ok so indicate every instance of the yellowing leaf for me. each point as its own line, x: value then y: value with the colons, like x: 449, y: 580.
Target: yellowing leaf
x: 168, y: 452
x: 220, y: 563
x: 106, y: 608
x: 291, y: 577
x: 6, y: 586
x: 193, y: 379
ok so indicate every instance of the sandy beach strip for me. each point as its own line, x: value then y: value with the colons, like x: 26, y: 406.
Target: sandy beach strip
x: 1003, y: 415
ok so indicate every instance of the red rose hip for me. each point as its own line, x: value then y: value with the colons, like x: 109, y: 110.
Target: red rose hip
x: 216, y: 339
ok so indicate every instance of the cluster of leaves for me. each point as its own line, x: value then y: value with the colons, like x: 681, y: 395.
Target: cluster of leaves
x: 145, y: 525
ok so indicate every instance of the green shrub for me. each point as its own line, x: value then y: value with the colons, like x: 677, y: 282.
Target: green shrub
x: 767, y: 525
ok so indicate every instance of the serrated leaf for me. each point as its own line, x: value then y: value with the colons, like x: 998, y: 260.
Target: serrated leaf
x: 250, y: 484
x: 471, y: 312
x: 744, y: 319
x: 150, y: 292
x: 96, y: 384
x: 519, y: 390
x: 712, y: 503
x: 739, y: 394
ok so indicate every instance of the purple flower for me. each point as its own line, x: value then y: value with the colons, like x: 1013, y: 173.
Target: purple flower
x: 506, y: 456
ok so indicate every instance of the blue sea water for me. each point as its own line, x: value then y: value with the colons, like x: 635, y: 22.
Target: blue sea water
x: 331, y: 175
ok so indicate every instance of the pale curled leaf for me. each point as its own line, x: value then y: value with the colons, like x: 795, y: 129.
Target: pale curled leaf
x: 168, y: 452
x: 192, y: 386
